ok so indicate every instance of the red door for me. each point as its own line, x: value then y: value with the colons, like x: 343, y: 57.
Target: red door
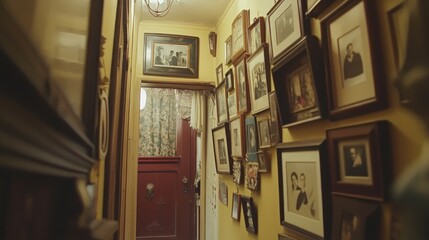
x: 165, y: 201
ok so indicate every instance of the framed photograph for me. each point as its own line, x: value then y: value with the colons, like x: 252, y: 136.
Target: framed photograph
x: 241, y: 84
x: 236, y: 206
x: 221, y: 104
x: 304, y: 196
x: 286, y: 25
x: 219, y: 74
x: 212, y: 43
x: 256, y: 34
x: 223, y: 193
x: 398, y: 23
x: 264, y: 135
x: 171, y: 55
x: 359, y: 160
x: 237, y: 170
x: 250, y: 214
x: 239, y: 35
x: 252, y: 175
x: 237, y: 137
x: 251, y: 135
x: 232, y: 105
x: 221, y: 149
x: 229, y: 78
x: 263, y: 161
x: 258, y: 67
x: 275, y: 129
x: 354, y: 78
x: 228, y: 50
x: 299, y: 82
x: 355, y: 219
x: 315, y: 7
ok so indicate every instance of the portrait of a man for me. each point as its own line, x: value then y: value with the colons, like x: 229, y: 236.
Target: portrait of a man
x: 355, y: 160
x: 353, y: 65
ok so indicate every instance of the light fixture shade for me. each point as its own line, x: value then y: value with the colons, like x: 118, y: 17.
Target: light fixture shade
x: 158, y: 8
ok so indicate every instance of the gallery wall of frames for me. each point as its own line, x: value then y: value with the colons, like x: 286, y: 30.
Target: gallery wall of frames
x: 276, y: 75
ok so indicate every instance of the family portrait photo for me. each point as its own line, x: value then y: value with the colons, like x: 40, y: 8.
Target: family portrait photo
x: 302, y: 91
x: 171, y: 55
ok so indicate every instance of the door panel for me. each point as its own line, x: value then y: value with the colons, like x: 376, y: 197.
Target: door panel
x: 165, y: 200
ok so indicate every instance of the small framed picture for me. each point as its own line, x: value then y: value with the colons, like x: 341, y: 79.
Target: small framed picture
x: 236, y: 206
x: 355, y: 219
x: 263, y: 161
x: 304, y: 196
x: 251, y: 135
x: 264, y: 135
x: 228, y: 50
x: 239, y: 34
x: 275, y: 129
x: 252, y: 175
x: 229, y: 78
x: 256, y: 34
x: 212, y: 43
x: 241, y: 84
x: 250, y: 214
x: 221, y: 149
x: 219, y: 74
x: 315, y: 7
x: 355, y: 80
x: 258, y: 67
x: 237, y: 137
x: 223, y: 193
x: 299, y: 80
x: 359, y: 158
x: 286, y: 25
x: 237, y: 170
x: 232, y: 105
x: 221, y: 104
x: 398, y: 23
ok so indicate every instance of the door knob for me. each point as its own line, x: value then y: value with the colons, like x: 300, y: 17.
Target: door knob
x: 185, y: 180
x: 150, y: 191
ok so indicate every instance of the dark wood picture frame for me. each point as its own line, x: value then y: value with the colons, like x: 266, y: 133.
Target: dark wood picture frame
x: 264, y: 133
x: 315, y: 7
x: 188, y: 45
x: 259, y: 76
x: 239, y: 35
x: 237, y: 137
x: 232, y: 104
x: 299, y: 84
x: 283, y: 35
x: 212, y: 43
x: 236, y: 206
x: 228, y: 50
x: 355, y: 85
x: 276, y: 132
x: 221, y: 143
x: 256, y: 35
x: 219, y: 74
x: 221, y: 103
x: 242, y: 84
x: 229, y: 78
x: 251, y: 135
x: 250, y: 214
x: 302, y: 165
x: 359, y: 160
x: 353, y: 217
x: 237, y: 171
x: 264, y: 161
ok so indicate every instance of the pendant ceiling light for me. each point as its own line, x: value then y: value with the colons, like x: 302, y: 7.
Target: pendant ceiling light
x: 158, y: 8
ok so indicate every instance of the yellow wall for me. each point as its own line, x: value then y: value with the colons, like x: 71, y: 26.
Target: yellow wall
x: 406, y: 132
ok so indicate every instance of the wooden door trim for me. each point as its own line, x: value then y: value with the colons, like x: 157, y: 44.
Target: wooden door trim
x: 159, y: 159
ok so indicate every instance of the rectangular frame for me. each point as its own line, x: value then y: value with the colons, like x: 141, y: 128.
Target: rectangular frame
x: 229, y: 78
x: 232, y: 105
x: 236, y: 206
x: 221, y: 149
x: 223, y: 193
x: 286, y: 25
x: 355, y: 81
x: 242, y: 84
x: 155, y: 63
x: 275, y: 129
x: 259, y: 76
x: 219, y: 74
x: 357, y: 218
x: 250, y: 214
x: 228, y: 50
x: 304, y: 197
x: 221, y: 103
x: 264, y: 161
x: 264, y: 133
x: 213, y: 43
x: 315, y: 7
x: 359, y: 160
x: 237, y: 137
x: 398, y: 23
x: 299, y: 84
x: 251, y: 135
x: 252, y: 175
x: 237, y: 171
x: 256, y: 35
x: 239, y: 35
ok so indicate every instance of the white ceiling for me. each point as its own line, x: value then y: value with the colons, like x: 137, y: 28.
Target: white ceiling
x: 196, y: 12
